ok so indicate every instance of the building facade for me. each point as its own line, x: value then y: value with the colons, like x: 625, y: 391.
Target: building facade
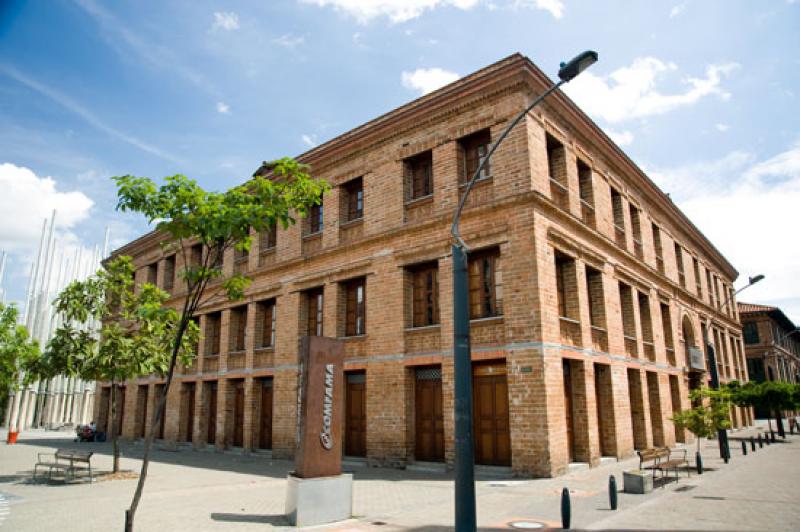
x: 772, y: 343
x: 590, y: 293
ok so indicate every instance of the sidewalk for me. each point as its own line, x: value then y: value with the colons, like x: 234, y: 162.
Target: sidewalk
x: 199, y: 490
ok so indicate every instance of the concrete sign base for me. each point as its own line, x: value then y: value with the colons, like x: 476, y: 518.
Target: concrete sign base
x: 320, y: 500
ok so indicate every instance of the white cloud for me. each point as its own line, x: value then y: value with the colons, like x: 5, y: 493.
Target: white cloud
x: 289, y: 40
x: 425, y: 80
x: 622, y: 138
x: 86, y: 115
x: 398, y: 11
x: 748, y: 209
x: 554, y: 7
x: 632, y: 91
x: 677, y: 10
x: 27, y: 200
x: 309, y: 140
x: 395, y: 10
x: 722, y: 128
x: 223, y: 108
x: 225, y: 21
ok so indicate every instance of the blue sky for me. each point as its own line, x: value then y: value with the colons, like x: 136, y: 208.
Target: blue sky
x: 702, y: 95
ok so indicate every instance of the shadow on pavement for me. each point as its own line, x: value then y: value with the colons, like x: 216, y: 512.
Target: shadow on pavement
x: 275, y: 520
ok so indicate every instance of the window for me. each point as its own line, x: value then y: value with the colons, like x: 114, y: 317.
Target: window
x: 586, y: 193
x: 628, y: 320
x: 240, y: 258
x: 213, y: 327
x: 647, y: 326
x: 425, y: 294
x: 419, y: 175
x: 594, y: 286
x: 268, y: 238
x: 666, y: 325
x: 314, y: 309
x: 658, y: 248
x: 557, y: 171
x: 566, y: 286
x: 619, y: 218
x: 169, y: 272
x: 636, y: 227
x: 697, y: 284
x: 355, y: 307
x: 679, y: 263
x: 196, y: 255
x: 353, y: 200
x: 710, y: 288
x: 315, y: 224
x: 750, y: 331
x: 265, y: 323
x: 152, y: 273
x: 473, y: 150
x: 238, y: 326
x: 485, y: 285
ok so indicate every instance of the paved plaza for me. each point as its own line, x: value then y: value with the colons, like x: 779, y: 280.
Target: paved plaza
x: 202, y: 490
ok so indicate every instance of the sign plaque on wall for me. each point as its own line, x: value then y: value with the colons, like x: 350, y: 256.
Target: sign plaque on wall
x: 320, y: 401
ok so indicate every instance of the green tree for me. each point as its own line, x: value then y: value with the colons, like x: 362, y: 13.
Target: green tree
x: 17, y: 353
x: 774, y: 396
x: 711, y: 413
x: 135, y: 337
x: 219, y: 221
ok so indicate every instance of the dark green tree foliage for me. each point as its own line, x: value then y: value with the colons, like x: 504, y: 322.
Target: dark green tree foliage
x: 774, y: 396
x: 135, y: 338
x: 188, y: 215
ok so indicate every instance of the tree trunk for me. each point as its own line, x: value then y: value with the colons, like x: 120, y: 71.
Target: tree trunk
x: 114, y: 428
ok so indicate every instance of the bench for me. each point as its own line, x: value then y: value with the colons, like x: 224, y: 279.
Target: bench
x: 67, y: 460
x: 664, y: 459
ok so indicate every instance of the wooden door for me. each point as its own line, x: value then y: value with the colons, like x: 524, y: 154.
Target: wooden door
x: 189, y: 390
x: 211, y: 435
x: 568, y: 410
x: 121, y: 408
x: 265, y: 430
x: 141, y: 411
x: 490, y: 415
x: 159, y: 391
x: 428, y: 415
x: 238, y: 414
x: 355, y: 419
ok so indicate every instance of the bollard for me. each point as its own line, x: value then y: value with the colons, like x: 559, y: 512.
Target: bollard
x: 772, y: 435
x: 566, y: 510
x: 752, y: 444
x: 699, y: 463
x: 767, y: 438
x: 760, y: 441
x: 612, y: 492
x: 744, y: 448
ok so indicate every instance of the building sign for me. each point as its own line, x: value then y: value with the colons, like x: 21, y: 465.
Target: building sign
x: 320, y: 404
x: 327, y: 409
x: 696, y: 359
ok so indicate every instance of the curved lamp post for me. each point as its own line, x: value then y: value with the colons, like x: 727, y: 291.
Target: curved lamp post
x: 722, y: 434
x: 464, y: 446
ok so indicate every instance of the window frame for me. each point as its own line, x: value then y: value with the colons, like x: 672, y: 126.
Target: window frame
x: 355, y: 291
x: 483, y: 281
x: 473, y: 149
x: 425, y: 294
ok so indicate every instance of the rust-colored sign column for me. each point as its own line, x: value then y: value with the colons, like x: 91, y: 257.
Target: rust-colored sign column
x: 320, y: 401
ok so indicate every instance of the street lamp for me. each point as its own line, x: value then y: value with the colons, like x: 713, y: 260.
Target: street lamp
x: 722, y: 434
x: 464, y: 445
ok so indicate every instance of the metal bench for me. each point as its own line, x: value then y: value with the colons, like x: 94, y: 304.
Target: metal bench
x: 67, y: 460
x: 661, y: 459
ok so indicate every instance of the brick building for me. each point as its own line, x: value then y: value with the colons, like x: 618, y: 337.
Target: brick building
x: 589, y: 293
x: 772, y: 344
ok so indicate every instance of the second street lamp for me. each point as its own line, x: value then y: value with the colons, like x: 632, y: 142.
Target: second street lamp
x: 722, y: 434
x: 465, y: 519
